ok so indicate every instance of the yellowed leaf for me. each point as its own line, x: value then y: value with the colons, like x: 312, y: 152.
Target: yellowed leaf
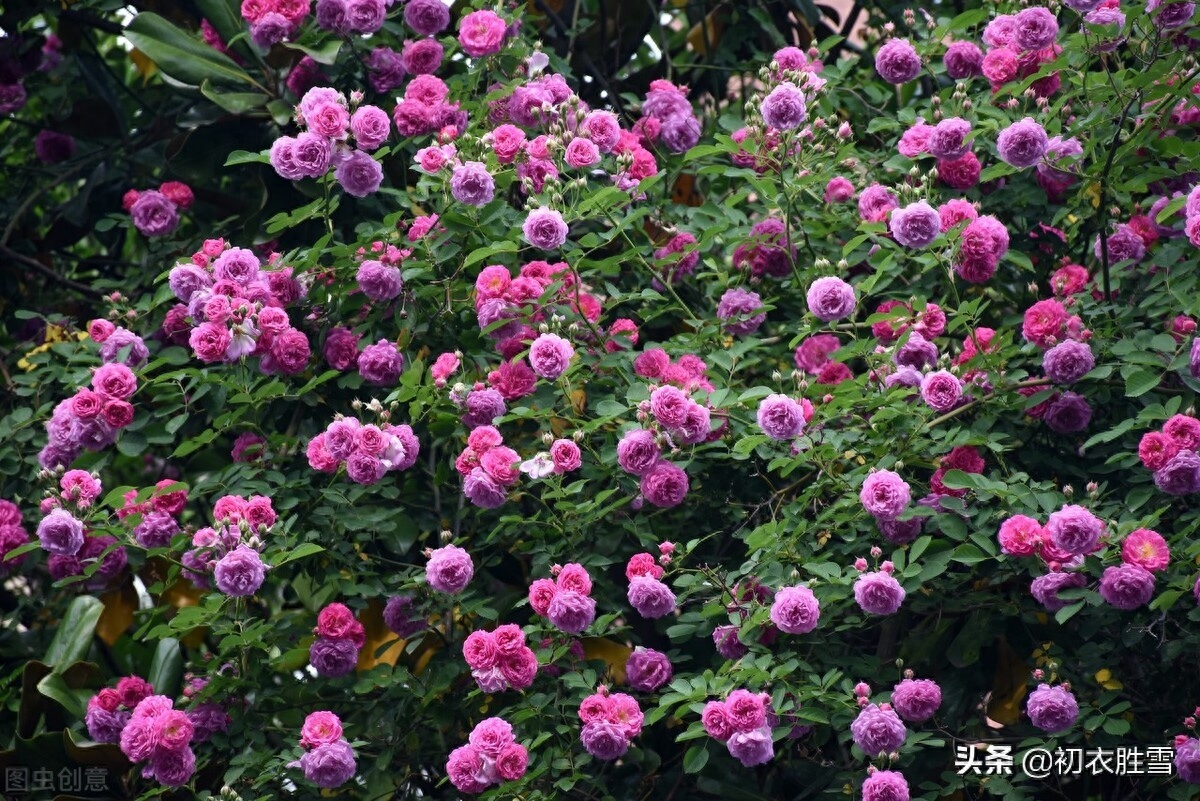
x: 612, y: 652
x: 145, y: 67
x: 377, y: 635
x: 119, y: 606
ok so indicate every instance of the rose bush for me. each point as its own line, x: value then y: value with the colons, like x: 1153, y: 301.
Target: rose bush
x: 447, y: 387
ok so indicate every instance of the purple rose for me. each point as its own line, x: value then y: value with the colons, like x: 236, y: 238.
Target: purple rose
x: 60, y: 533
x: 381, y: 364
x: 1023, y: 143
x: 427, y: 17
x: 359, y: 174
x: 329, y: 764
x: 647, y: 670
x: 897, y: 61
x: 752, y: 747
x: 1052, y: 709
x: 544, y: 228
x: 878, y: 594
x: 784, y: 108
x: 379, y: 281
x: 916, y: 700
x: 727, y: 642
x: 916, y: 225
x: 1046, y: 588
x: 795, y: 610
x: 830, y: 299
x: 665, y: 485
x: 1180, y: 475
x: 603, y: 740
x: 1070, y: 413
x: 650, y: 597
x: 333, y: 657
x: 240, y: 572
x: 1126, y: 586
x: 472, y: 184
x: 449, y: 569
x: 571, y: 611
x: 742, y: 311
x: 1068, y: 361
x: 878, y: 731
x: 154, y: 214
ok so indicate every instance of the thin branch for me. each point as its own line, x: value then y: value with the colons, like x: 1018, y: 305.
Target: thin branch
x: 36, y: 265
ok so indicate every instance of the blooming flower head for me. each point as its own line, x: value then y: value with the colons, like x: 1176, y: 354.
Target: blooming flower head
x: 878, y: 593
x: 916, y: 700
x: 878, y: 731
x: 449, y: 569
x: 780, y: 417
x: 916, y: 225
x: 544, y: 228
x: 1147, y: 549
x: 885, y: 494
x: 1052, y: 709
x: 830, y: 299
x: 885, y: 785
x: 550, y: 355
x: 1074, y: 529
x: 1126, y: 586
x: 784, y: 107
x: 1023, y: 143
x: 795, y: 610
x: 897, y: 61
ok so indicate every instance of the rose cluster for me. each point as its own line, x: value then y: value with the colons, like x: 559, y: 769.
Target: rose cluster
x: 500, y: 659
x: 1017, y: 46
x: 92, y: 418
x: 369, y: 451
x: 563, y: 457
x: 565, y: 601
x: 80, y: 489
x: 155, y: 212
x: 227, y: 554
x: 161, y: 736
x: 488, y: 467
x: 231, y: 308
x: 274, y: 21
x: 1172, y: 453
x: 338, y: 135
x: 610, y: 722
x: 647, y: 593
x: 340, y: 637
x: 742, y: 722
x: 12, y: 536
x: 508, y: 310
x: 491, y: 756
x: 328, y: 760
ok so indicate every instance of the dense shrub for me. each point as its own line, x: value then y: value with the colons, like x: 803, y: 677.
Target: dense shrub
x: 398, y: 405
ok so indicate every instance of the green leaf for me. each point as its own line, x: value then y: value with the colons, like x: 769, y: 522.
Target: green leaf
x: 166, y: 671
x: 179, y: 56
x: 233, y: 102
x: 74, y: 636
x: 325, y: 54
x: 299, y: 552
x: 696, y: 758
x: 54, y: 686
x: 479, y: 254
x: 246, y: 157
x: 1138, y: 382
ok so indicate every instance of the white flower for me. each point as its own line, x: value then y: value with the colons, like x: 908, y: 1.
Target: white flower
x: 539, y: 466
